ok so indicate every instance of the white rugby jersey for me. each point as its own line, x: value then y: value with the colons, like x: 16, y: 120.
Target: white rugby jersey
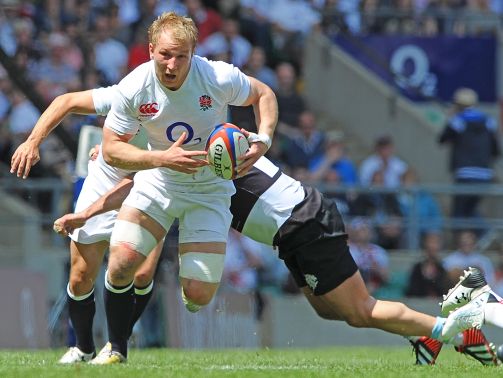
x: 264, y: 200
x: 196, y: 107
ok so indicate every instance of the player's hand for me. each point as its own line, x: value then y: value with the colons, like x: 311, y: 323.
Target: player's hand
x: 94, y: 152
x: 178, y: 159
x: 25, y: 156
x: 68, y: 223
x: 255, y: 152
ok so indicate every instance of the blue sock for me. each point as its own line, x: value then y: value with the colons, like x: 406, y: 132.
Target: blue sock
x: 436, y: 332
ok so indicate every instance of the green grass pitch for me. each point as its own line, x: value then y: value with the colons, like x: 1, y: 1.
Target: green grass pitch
x: 243, y: 363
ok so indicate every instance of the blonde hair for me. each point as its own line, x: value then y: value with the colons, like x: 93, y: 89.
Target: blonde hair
x: 183, y: 28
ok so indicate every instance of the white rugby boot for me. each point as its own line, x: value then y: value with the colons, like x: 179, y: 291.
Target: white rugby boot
x: 74, y: 355
x: 468, y: 316
x: 107, y: 356
x: 471, y: 284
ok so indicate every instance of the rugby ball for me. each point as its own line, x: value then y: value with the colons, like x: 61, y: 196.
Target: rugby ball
x: 225, y: 144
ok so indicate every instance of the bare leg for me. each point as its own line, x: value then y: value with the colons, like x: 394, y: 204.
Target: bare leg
x: 144, y: 283
x: 85, y: 263
x: 352, y: 302
x: 123, y: 262
x: 197, y: 293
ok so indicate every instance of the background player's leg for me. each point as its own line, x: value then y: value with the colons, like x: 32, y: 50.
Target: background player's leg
x: 85, y: 264
x: 144, y: 283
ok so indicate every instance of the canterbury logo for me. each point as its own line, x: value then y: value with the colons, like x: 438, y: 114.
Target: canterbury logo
x: 149, y: 108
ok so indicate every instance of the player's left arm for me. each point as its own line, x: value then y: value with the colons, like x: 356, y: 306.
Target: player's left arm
x: 265, y: 107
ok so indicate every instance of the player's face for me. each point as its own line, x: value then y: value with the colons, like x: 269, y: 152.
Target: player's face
x: 172, y: 60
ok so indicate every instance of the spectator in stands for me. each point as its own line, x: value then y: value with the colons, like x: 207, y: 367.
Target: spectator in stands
x: 22, y: 118
x: 384, y: 209
x: 403, y: 21
x: 372, y: 260
x: 428, y: 26
x: 467, y: 255
x: 241, y: 265
x: 257, y: 68
x: 111, y: 56
x: 6, y: 142
x: 333, y: 165
x: 474, y: 141
x: 438, y: 12
x: 228, y: 42
x: 5, y: 90
x: 250, y: 267
x: 31, y: 50
x: 120, y: 30
x: 419, y: 204
x: 255, y: 24
x: 207, y: 20
x: 138, y: 51
x: 428, y: 277
x: 497, y: 7
x: 372, y: 21
x: 77, y: 45
x: 306, y: 144
x: 54, y: 69
x: 8, y: 16
x: 290, y: 102
x: 477, y: 18
x: 385, y: 160
x: 292, y: 20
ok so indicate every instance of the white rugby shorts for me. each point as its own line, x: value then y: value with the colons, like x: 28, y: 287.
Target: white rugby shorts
x: 201, y: 203
x: 99, y: 227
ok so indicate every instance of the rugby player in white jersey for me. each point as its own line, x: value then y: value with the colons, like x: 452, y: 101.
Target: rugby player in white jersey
x: 88, y: 243
x: 175, y: 96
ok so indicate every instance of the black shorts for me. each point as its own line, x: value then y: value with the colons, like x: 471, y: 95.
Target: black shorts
x: 323, y: 264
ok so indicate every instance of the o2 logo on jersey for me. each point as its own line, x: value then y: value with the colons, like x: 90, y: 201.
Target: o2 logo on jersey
x: 190, y: 133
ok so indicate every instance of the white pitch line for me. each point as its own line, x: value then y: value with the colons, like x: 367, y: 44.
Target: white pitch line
x: 261, y: 367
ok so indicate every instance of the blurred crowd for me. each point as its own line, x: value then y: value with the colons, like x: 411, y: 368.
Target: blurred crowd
x: 71, y: 45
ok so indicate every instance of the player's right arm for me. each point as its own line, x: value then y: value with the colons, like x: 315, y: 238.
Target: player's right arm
x: 119, y: 153
x: 28, y: 154
x: 111, y: 200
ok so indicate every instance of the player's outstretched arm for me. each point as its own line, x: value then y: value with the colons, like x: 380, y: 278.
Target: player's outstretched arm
x: 28, y: 154
x: 265, y: 107
x: 111, y: 200
x: 118, y: 153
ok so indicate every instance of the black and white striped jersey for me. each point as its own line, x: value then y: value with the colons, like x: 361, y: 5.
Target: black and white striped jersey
x: 270, y: 207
